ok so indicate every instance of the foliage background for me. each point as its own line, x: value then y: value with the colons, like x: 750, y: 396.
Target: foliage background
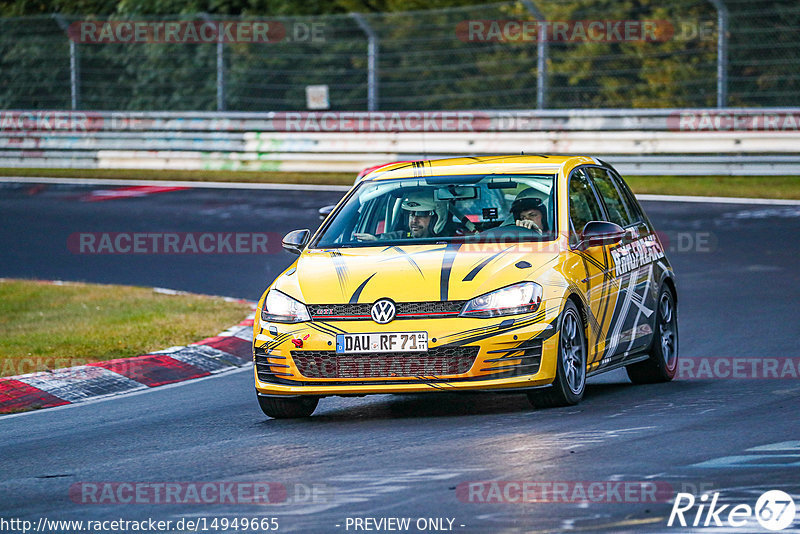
x: 423, y: 65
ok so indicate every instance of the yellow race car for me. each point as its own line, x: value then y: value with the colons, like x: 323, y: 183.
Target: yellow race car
x: 509, y: 273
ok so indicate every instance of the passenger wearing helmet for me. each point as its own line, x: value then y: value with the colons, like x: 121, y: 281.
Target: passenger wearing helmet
x: 529, y: 211
x: 426, y: 218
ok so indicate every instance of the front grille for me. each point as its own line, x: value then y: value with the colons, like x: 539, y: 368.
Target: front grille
x: 270, y: 372
x: 404, y: 310
x: 435, y: 362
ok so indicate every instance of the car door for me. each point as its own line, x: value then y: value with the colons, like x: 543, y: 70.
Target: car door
x: 632, y: 321
x: 592, y: 267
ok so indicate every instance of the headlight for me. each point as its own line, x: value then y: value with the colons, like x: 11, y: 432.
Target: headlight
x: 511, y: 300
x: 282, y: 308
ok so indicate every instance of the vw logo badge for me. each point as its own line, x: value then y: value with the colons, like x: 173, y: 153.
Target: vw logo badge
x: 383, y: 311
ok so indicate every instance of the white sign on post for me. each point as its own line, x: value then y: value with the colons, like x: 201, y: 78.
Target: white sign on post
x: 317, y: 97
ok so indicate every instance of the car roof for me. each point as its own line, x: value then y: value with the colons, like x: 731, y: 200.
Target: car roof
x: 516, y: 164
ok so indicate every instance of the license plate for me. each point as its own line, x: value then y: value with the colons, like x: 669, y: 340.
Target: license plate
x: 382, y: 342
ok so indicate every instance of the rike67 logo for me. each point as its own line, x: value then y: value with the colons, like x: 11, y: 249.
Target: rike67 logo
x: 774, y: 510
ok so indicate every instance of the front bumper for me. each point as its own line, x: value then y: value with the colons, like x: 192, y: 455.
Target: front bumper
x: 503, y: 353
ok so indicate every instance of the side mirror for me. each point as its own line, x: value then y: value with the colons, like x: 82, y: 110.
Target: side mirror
x: 325, y: 211
x: 296, y: 241
x: 599, y: 233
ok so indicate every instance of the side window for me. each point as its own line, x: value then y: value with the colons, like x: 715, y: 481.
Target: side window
x: 583, y: 204
x: 616, y: 206
x: 633, y: 206
x: 373, y: 216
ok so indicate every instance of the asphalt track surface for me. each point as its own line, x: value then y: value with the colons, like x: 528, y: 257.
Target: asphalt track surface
x: 411, y: 456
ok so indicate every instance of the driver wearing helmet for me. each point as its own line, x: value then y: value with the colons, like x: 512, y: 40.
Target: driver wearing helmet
x: 426, y: 218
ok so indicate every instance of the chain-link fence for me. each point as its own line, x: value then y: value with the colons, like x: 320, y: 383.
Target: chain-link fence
x: 513, y: 55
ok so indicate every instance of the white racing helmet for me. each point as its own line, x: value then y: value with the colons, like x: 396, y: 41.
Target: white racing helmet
x: 422, y: 203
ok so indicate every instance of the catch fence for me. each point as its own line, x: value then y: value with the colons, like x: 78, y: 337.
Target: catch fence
x: 530, y: 54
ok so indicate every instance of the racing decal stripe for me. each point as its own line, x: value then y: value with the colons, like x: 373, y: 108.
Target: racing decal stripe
x: 357, y: 292
x: 605, y: 267
x: 493, y: 330
x: 620, y: 315
x: 544, y: 335
x: 474, y: 272
x: 321, y: 328
x: 341, y: 269
x: 597, y: 330
x: 404, y: 255
x: 335, y: 328
x: 421, y: 168
x: 587, y: 276
x: 277, y: 341
x: 326, y: 328
x: 640, y: 301
x: 606, y: 294
x: 450, y: 253
x: 593, y: 261
x: 492, y: 327
x: 591, y: 319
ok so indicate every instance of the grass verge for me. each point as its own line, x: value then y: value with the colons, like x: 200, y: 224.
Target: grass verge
x: 787, y: 187
x: 726, y: 186
x: 47, y: 326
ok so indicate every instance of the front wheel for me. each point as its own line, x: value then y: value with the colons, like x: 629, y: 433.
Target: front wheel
x: 291, y: 408
x: 662, y: 364
x: 570, y: 381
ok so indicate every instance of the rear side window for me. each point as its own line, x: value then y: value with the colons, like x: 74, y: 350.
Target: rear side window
x: 630, y: 200
x: 616, y: 205
x: 583, y: 204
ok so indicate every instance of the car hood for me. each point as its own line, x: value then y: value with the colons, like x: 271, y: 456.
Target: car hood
x: 415, y: 273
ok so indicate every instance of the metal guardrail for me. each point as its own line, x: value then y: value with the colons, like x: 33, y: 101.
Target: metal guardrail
x: 659, y: 119
x: 644, y: 142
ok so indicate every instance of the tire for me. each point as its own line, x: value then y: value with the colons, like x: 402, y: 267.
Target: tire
x: 282, y: 408
x: 570, y: 381
x: 662, y: 364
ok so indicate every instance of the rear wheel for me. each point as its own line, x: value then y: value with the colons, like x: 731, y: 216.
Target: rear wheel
x: 570, y: 381
x: 662, y: 364
x: 281, y: 408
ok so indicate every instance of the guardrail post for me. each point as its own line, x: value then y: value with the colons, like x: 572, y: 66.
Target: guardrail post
x: 73, y: 63
x: 541, y: 55
x: 220, y: 77
x: 372, y: 61
x: 722, y: 52
x: 220, y: 66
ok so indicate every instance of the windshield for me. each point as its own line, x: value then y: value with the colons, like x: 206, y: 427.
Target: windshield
x: 444, y: 208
